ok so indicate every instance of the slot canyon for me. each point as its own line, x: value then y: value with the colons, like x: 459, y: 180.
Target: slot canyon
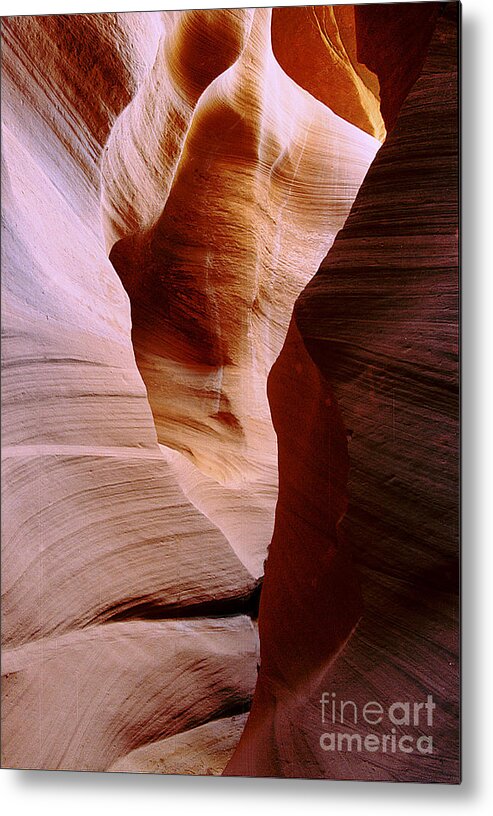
x: 230, y: 464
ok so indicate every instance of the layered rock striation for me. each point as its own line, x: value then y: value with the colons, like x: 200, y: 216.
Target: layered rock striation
x: 378, y: 326
x: 171, y: 182
x: 213, y: 260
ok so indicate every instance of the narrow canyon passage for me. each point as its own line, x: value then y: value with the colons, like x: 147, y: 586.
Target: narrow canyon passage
x: 180, y: 383
x: 261, y: 186
x: 376, y: 329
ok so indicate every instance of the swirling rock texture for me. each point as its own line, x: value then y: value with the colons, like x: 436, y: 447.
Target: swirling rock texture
x: 378, y: 326
x: 172, y: 181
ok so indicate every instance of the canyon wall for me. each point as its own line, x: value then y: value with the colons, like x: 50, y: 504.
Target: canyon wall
x: 188, y: 403
x: 375, y: 332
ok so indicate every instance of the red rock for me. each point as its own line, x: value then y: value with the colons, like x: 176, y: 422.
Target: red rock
x: 379, y: 324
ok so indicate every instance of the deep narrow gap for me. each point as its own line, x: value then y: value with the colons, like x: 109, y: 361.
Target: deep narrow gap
x: 220, y: 608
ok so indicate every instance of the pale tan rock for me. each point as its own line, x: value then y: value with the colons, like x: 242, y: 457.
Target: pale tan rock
x: 95, y: 525
x: 83, y: 700
x: 94, y: 533
x: 204, y: 750
x: 244, y: 512
x: 177, y: 143
x: 215, y: 260
x: 139, y: 162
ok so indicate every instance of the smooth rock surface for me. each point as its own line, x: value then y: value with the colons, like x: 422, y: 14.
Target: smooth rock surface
x: 95, y: 527
x: 171, y: 182
x: 265, y: 177
x: 378, y: 325
x: 91, y: 696
x: 204, y: 750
